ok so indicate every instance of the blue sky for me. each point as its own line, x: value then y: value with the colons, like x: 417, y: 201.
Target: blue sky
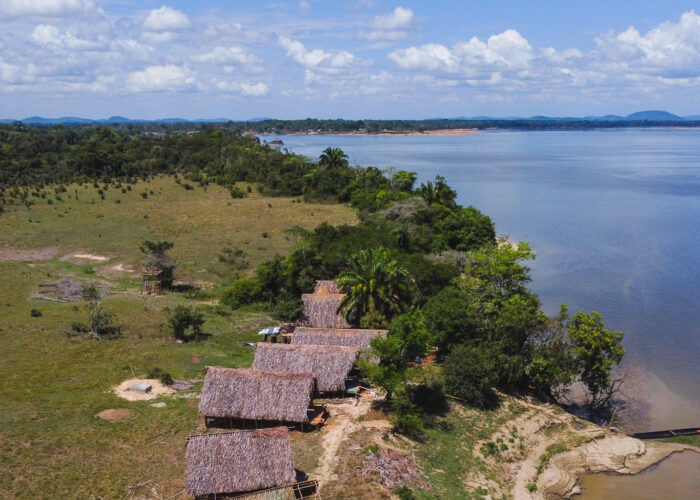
x: 347, y: 58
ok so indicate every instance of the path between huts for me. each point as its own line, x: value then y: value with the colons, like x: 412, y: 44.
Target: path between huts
x: 343, y: 422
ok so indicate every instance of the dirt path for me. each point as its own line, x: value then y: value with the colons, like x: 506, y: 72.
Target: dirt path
x: 344, y: 420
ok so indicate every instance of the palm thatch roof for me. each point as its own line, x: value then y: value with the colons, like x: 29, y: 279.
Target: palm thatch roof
x: 321, y: 307
x: 329, y: 364
x: 348, y: 337
x: 236, y: 462
x: 254, y: 395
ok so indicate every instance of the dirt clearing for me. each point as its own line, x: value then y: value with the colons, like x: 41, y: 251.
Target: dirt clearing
x: 115, y: 414
x: 157, y: 389
x: 27, y: 254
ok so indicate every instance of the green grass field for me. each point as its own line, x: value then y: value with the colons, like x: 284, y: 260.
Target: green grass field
x: 51, y: 442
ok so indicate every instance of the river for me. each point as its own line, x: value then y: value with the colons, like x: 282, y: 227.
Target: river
x: 614, y: 218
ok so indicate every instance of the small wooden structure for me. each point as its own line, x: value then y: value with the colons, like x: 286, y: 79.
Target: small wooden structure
x: 243, y: 397
x: 329, y: 364
x: 237, y: 463
x: 321, y: 307
x: 151, y: 280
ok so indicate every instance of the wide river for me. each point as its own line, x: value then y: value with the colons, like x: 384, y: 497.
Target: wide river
x: 614, y: 218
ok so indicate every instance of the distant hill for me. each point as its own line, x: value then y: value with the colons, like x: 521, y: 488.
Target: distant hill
x: 653, y: 115
x: 640, y: 116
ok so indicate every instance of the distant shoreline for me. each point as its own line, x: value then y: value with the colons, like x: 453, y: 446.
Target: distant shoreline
x: 438, y: 132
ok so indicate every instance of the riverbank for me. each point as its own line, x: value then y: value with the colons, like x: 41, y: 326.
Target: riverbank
x: 437, y: 133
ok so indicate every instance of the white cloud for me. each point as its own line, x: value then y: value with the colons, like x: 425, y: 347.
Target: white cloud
x: 161, y: 78
x: 400, y: 19
x: 390, y: 27
x: 297, y: 51
x: 223, y: 55
x: 503, y: 52
x: 670, y: 49
x: 321, y: 61
x: 258, y: 89
x: 165, y: 20
x: 46, y: 34
x: 45, y: 8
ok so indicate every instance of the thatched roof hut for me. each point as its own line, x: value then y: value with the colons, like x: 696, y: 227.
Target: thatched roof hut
x: 348, y: 337
x: 321, y: 307
x: 237, y: 462
x: 329, y: 364
x: 247, y: 394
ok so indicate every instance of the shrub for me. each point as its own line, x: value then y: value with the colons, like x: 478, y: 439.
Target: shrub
x: 405, y: 493
x: 182, y: 320
x: 241, y: 292
x: 470, y: 375
x: 35, y: 313
x: 237, y: 192
x: 288, y: 310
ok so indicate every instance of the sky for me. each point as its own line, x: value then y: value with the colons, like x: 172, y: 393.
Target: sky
x: 347, y: 58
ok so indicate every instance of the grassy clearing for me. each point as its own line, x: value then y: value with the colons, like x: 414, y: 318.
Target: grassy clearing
x: 54, y: 384
x: 199, y: 221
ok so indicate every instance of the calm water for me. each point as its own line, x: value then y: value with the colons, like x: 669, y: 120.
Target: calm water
x: 614, y: 217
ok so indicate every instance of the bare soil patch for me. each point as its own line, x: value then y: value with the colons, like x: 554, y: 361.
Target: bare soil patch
x: 64, y: 290
x: 27, y: 254
x: 115, y: 414
x: 84, y: 257
x: 157, y: 389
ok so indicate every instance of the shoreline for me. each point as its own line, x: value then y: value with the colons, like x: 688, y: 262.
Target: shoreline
x: 448, y: 132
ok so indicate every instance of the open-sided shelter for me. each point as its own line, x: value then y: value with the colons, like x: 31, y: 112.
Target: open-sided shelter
x: 244, y: 395
x: 348, y: 337
x: 329, y: 364
x: 225, y: 464
x: 321, y: 307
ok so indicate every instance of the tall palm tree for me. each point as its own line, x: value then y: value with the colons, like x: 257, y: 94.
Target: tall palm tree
x: 332, y: 158
x: 373, y: 283
x: 439, y: 192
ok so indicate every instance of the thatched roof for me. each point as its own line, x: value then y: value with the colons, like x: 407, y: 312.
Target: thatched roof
x: 321, y: 307
x: 349, y: 337
x: 236, y: 462
x: 329, y: 364
x: 327, y: 287
x: 254, y: 395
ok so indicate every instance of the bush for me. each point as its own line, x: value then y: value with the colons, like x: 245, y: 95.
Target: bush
x: 182, y: 320
x: 405, y: 493
x: 159, y: 374
x: 288, y: 310
x: 237, y: 192
x: 470, y: 375
x: 35, y: 313
x: 241, y: 292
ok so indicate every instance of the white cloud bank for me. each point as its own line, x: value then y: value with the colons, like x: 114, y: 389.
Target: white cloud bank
x: 161, y: 78
x: 166, y: 19
x: 393, y: 26
x: 45, y: 8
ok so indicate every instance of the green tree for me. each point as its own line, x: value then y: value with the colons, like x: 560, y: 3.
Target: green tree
x: 438, y: 192
x: 408, y: 339
x: 470, y: 374
x: 374, y: 284
x: 595, y: 350
x: 333, y: 158
x: 185, y: 322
